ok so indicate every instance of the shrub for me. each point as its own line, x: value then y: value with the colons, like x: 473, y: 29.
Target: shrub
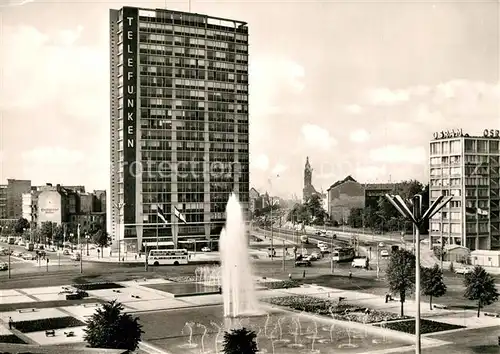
x: 46, y: 324
x: 10, y: 338
x: 338, y: 310
x: 285, y: 284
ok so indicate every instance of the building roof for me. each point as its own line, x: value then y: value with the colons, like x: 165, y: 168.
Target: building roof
x: 485, y: 252
x: 380, y: 186
x: 338, y: 183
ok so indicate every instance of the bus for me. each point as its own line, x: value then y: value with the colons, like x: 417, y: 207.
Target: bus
x: 343, y: 254
x: 168, y: 257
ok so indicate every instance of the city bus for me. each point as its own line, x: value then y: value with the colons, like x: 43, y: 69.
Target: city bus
x: 168, y: 257
x: 343, y: 254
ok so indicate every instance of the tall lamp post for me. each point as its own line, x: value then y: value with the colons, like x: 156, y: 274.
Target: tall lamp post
x: 417, y: 217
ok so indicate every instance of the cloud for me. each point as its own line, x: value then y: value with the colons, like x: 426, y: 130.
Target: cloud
x: 69, y: 76
x: 383, y: 96
x: 353, y: 109
x: 278, y: 169
x: 270, y: 76
x: 259, y: 162
x: 317, y: 137
x: 399, y: 154
x: 359, y: 136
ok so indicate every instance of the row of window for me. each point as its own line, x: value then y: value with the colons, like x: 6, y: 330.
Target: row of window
x: 446, y: 160
x: 189, y: 41
x: 191, y: 115
x: 469, y: 181
x: 469, y: 192
x: 168, y: 104
x: 446, y: 147
x: 221, y: 86
x: 160, y: 61
x: 192, y: 31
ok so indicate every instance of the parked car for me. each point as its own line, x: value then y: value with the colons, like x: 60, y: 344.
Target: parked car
x: 464, y: 269
x: 303, y: 262
x: 206, y: 249
x: 384, y: 253
x: 18, y: 254
x: 360, y: 262
x: 314, y: 256
x: 4, y: 266
x: 66, y: 252
x: 28, y: 256
x: 76, y: 257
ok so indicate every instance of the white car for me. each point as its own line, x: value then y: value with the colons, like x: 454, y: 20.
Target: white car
x: 206, y: 249
x: 28, y: 256
x: 464, y: 270
x: 384, y: 253
x: 4, y: 266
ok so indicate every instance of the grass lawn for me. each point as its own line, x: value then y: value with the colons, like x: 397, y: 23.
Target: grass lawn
x: 426, y: 326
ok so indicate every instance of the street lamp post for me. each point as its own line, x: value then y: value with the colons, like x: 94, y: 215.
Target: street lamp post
x: 417, y: 218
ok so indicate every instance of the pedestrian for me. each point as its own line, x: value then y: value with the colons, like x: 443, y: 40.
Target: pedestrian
x: 350, y: 274
x: 290, y: 276
x: 304, y: 274
x: 135, y: 257
x: 10, y: 322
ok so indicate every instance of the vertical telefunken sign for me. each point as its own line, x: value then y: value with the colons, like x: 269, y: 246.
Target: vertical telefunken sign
x: 130, y: 17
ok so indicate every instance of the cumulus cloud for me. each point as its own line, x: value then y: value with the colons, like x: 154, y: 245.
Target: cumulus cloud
x: 270, y: 76
x: 259, y: 162
x: 317, y: 137
x: 359, y: 136
x: 385, y: 96
x: 399, y: 154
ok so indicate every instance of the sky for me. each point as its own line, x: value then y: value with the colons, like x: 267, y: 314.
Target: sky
x: 358, y: 86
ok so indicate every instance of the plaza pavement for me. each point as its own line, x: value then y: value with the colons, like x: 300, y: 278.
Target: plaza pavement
x: 138, y: 298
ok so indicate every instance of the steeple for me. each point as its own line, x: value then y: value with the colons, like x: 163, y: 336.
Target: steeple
x: 307, y: 173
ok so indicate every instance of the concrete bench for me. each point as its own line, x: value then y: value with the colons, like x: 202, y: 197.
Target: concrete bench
x: 342, y: 298
x: 90, y: 305
x: 69, y: 334
x: 491, y: 314
x: 50, y: 333
x: 440, y: 307
x: 26, y: 310
x: 135, y: 296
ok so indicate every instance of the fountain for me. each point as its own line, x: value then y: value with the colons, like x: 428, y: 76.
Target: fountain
x: 205, y: 330
x: 238, y: 291
x: 281, y: 339
x: 189, y: 344
x: 349, y: 344
x: 296, y: 334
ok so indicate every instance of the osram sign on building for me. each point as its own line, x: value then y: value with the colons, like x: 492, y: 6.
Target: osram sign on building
x: 50, y: 207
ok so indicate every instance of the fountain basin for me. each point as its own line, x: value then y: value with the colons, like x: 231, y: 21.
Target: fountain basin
x: 168, y: 334
x: 185, y: 289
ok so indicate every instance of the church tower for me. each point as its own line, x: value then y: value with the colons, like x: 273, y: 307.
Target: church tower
x: 307, y: 174
x: 308, y: 189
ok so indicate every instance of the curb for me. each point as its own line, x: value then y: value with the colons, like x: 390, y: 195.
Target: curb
x: 151, y: 349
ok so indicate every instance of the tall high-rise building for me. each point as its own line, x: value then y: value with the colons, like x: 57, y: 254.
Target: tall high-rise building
x: 467, y: 168
x: 179, y: 124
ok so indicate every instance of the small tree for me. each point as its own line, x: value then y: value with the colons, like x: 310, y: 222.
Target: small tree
x: 101, y: 238
x: 21, y: 225
x: 432, y: 283
x: 401, y: 274
x: 480, y: 287
x: 110, y: 328
x: 46, y: 230
x: 240, y: 341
